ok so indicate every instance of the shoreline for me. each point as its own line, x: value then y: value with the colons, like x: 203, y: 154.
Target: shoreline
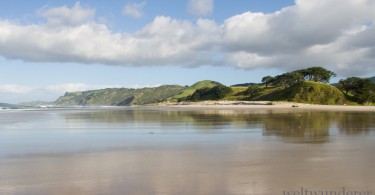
x: 245, y: 105
x: 219, y: 105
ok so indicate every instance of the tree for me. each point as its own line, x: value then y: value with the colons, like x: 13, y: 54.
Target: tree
x: 365, y: 92
x: 253, y: 91
x: 288, y: 79
x: 220, y: 91
x: 349, y: 84
x: 195, y: 96
x: 199, y: 93
x: 317, y: 74
x: 213, y: 93
x: 267, y: 80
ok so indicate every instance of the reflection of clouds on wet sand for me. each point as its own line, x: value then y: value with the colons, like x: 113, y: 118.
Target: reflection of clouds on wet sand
x: 243, y: 166
x: 186, y: 171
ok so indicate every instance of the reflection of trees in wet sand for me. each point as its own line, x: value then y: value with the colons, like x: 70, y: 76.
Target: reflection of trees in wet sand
x: 291, y: 126
x: 314, y: 127
x: 128, y: 116
x: 219, y: 119
x: 203, y: 119
x: 356, y: 122
x: 300, y: 127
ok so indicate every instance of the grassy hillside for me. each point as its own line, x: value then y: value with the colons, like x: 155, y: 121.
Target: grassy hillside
x: 190, y: 90
x: 307, y: 92
x: 120, y: 96
x: 236, y: 93
x: 152, y: 95
x: 239, y: 93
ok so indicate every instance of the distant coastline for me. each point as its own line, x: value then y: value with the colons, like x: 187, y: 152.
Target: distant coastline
x: 216, y: 105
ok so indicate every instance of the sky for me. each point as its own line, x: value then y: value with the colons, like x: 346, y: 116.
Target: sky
x: 48, y: 47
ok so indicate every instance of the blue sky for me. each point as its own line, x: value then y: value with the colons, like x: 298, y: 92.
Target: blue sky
x: 49, y: 47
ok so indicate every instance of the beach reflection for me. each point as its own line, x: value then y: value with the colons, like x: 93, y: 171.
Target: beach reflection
x: 173, y: 151
x: 290, y: 125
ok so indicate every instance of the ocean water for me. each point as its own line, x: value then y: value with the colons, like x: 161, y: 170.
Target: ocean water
x: 161, y: 150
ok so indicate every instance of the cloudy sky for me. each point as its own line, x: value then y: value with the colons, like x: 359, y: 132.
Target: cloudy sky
x: 49, y: 47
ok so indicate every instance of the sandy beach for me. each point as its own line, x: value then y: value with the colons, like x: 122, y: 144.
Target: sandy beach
x: 200, y: 148
x: 262, y: 105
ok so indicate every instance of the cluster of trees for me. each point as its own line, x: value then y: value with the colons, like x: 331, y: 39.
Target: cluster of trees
x: 252, y: 91
x: 244, y: 84
x: 317, y: 74
x: 213, y: 93
x: 361, y: 90
x: 357, y: 89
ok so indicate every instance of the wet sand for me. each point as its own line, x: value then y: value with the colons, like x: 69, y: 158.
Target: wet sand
x: 243, y: 165
x: 207, y: 149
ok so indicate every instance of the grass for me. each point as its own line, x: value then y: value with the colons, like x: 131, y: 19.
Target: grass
x: 236, y: 94
x: 190, y: 90
x: 307, y: 92
x: 120, y: 96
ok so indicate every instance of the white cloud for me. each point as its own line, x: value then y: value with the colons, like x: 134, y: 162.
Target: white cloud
x: 14, y: 89
x: 311, y: 33
x: 333, y: 33
x: 55, y: 89
x: 14, y: 93
x: 165, y: 41
x: 134, y: 10
x: 200, y: 7
x: 67, y: 16
x: 74, y: 87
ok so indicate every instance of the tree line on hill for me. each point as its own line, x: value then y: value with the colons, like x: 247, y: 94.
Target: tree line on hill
x: 316, y: 74
x: 357, y: 89
x: 215, y: 93
x: 289, y: 79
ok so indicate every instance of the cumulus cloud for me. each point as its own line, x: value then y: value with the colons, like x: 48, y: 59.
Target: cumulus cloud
x: 165, y: 41
x: 201, y: 7
x: 332, y: 33
x: 67, y: 16
x: 311, y: 33
x: 134, y: 10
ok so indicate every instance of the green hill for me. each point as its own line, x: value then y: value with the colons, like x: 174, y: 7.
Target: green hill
x: 372, y: 79
x: 307, y: 92
x: 11, y: 106
x: 198, y: 85
x: 120, y: 96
